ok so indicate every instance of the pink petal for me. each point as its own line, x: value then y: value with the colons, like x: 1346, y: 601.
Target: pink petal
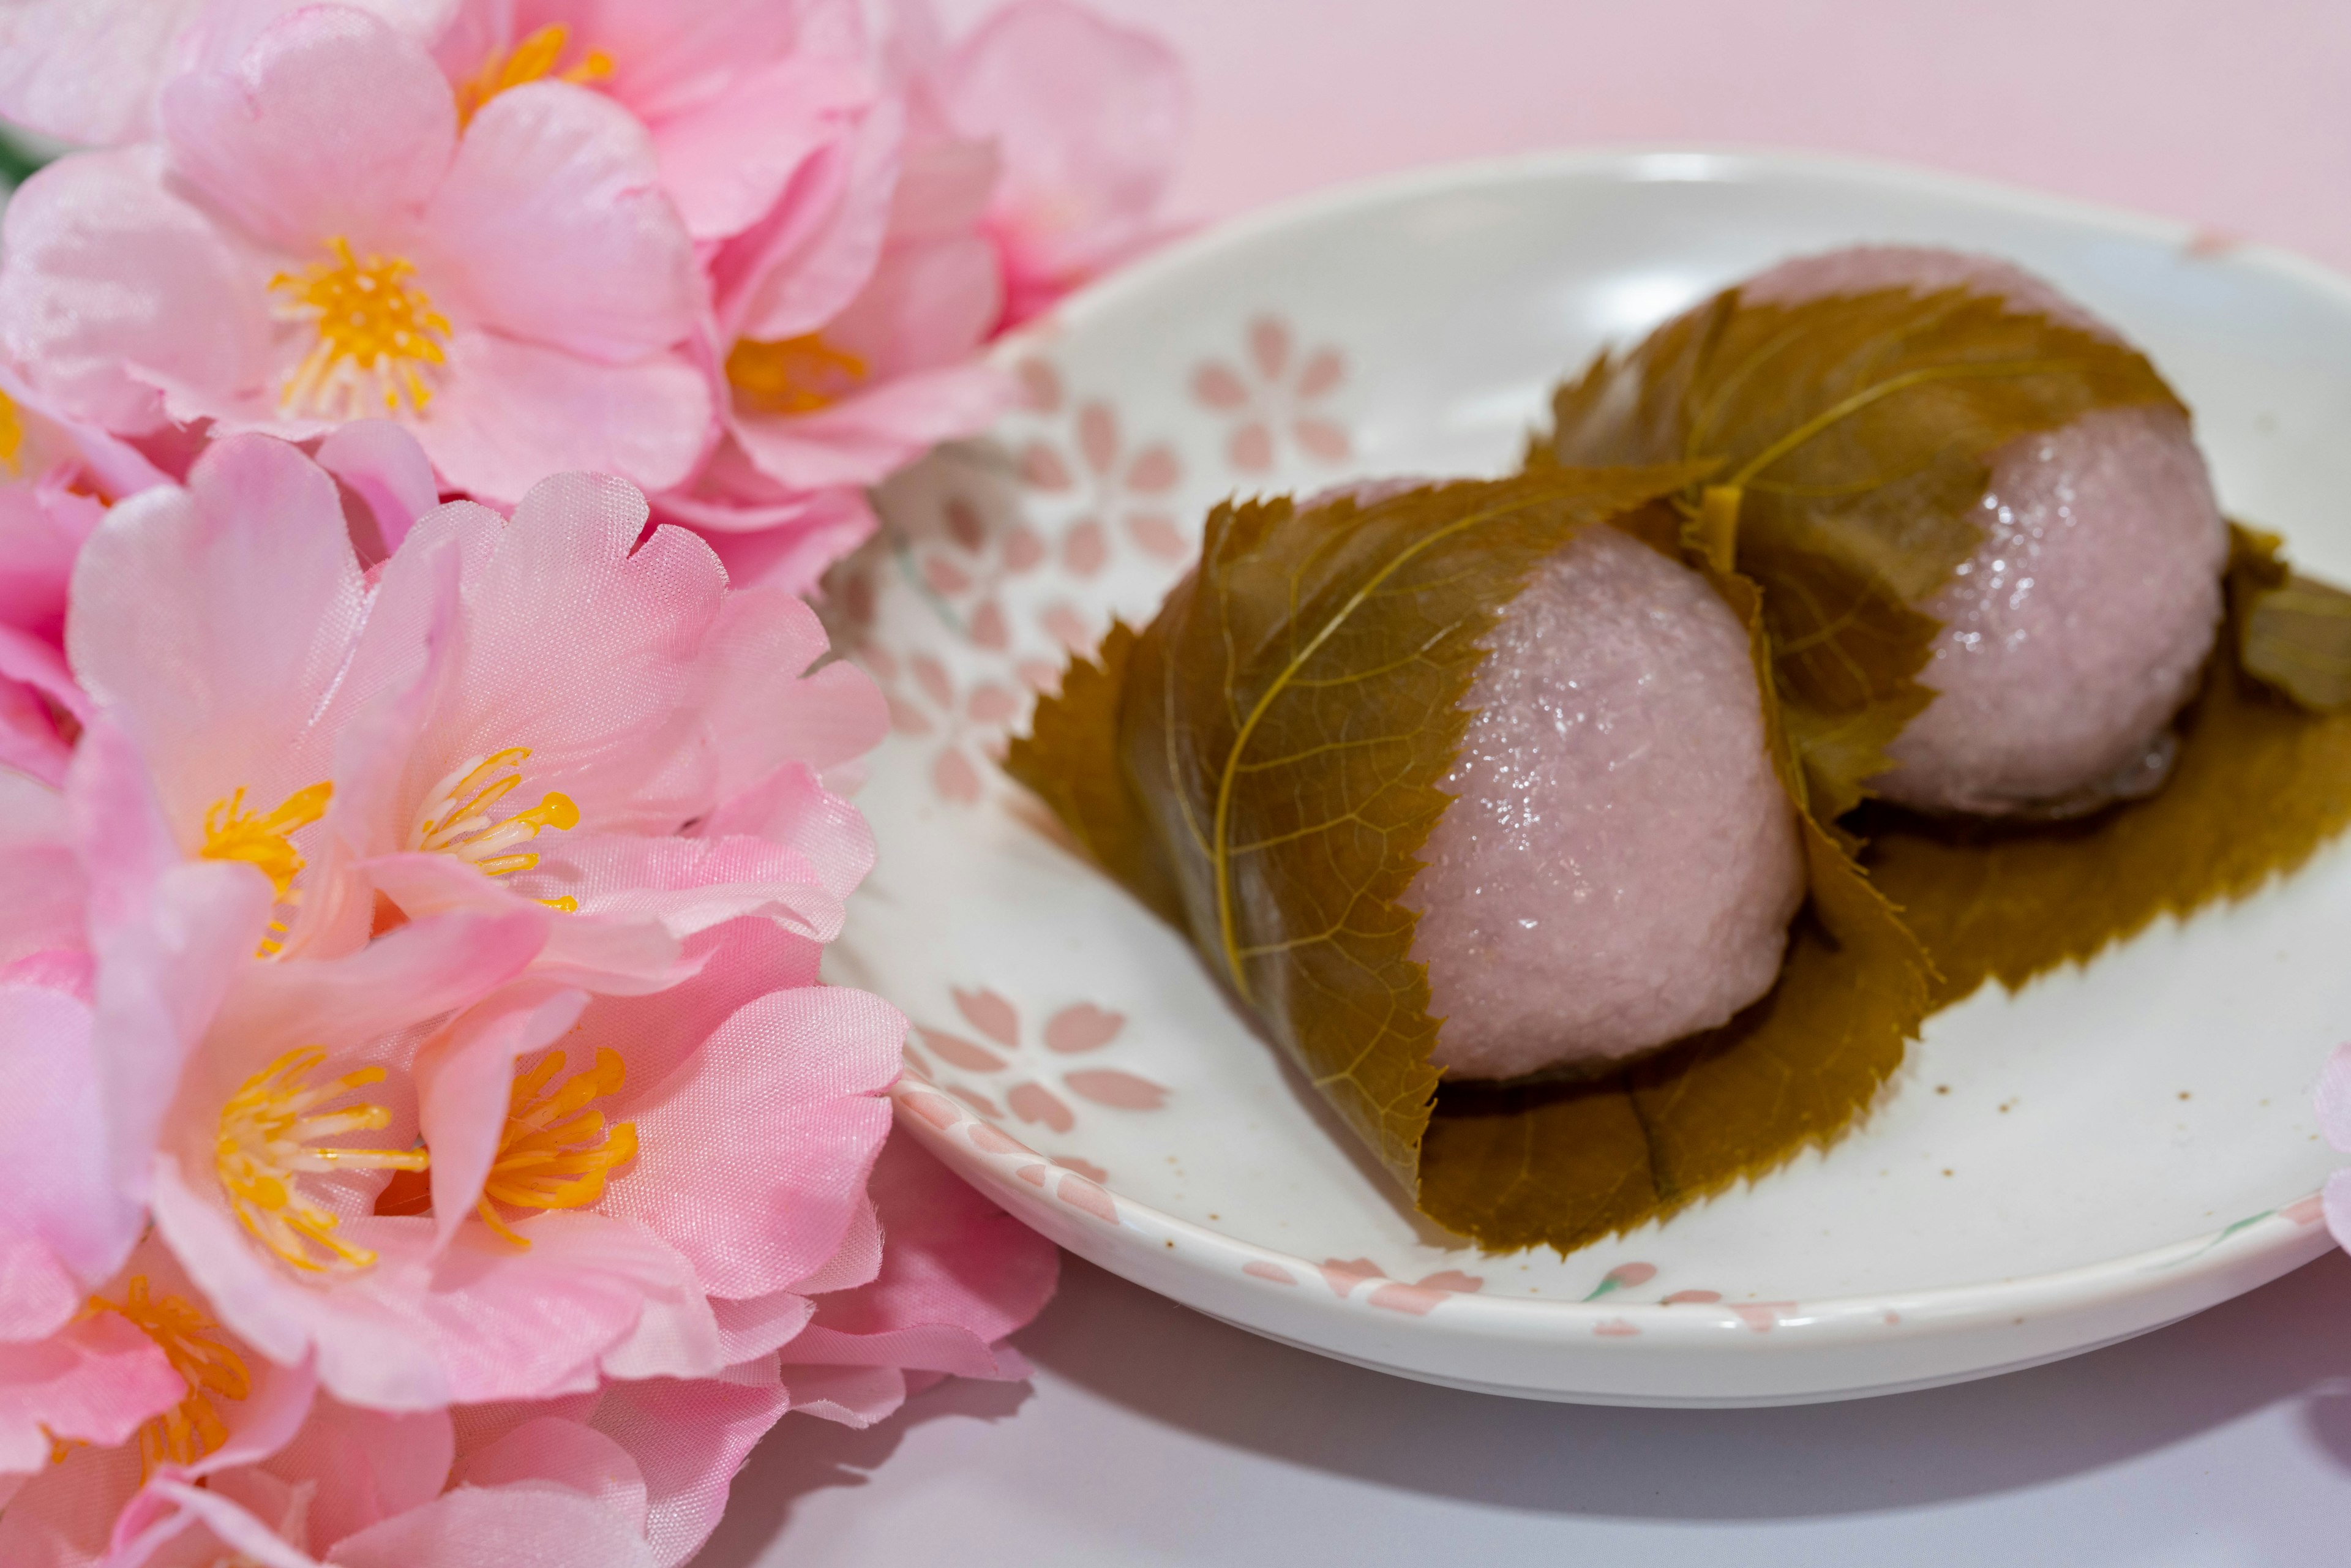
x: 364, y: 1466
x: 607, y: 731
x: 1089, y: 118
x: 421, y: 1329
x: 383, y: 464
x: 44, y: 912
x: 116, y: 287
x: 1084, y: 1027
x: 865, y: 439
x: 787, y: 546
x: 855, y: 1396
x: 755, y: 1215
x: 213, y: 622
x: 87, y: 70
x: 511, y: 412
x: 567, y: 1454
x: 764, y: 709
x: 330, y: 123
x: 66, y: 1226
x: 553, y: 228
x: 727, y: 161
x: 791, y: 808
x: 688, y: 1439
x: 168, y: 943
x: 63, y: 1517
x: 799, y: 268
x: 957, y: 1275
x: 94, y: 1381
x: 463, y: 1077
x: 475, y: 1527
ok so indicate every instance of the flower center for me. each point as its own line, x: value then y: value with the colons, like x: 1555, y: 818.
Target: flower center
x: 193, y: 1427
x: 797, y: 375
x: 12, y: 434
x: 232, y: 833
x: 375, y: 330
x: 268, y: 1138
x: 456, y: 817
x: 533, y: 59
x: 557, y: 1151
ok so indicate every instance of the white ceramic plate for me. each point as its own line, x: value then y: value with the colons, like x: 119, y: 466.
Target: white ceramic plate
x: 2107, y: 1152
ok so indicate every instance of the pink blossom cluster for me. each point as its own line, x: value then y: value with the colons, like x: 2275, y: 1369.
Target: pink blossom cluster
x: 424, y: 1136
x: 740, y: 253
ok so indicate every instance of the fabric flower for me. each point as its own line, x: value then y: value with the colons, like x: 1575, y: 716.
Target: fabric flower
x: 56, y: 479
x: 65, y: 1228
x: 314, y: 240
x: 742, y: 99
x: 955, y: 1275
x: 435, y: 740
x: 1087, y: 119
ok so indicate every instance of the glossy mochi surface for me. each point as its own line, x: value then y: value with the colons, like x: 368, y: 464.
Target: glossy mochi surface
x: 1620, y: 866
x: 2077, y: 629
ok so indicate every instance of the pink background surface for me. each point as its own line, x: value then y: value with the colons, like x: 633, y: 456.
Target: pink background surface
x: 2233, y: 115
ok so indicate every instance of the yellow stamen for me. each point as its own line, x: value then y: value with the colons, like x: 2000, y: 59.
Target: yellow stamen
x: 12, y: 434
x: 266, y: 842
x: 532, y: 59
x: 376, y: 329
x: 556, y: 1152
x: 233, y: 834
x: 456, y: 817
x: 193, y: 1427
x: 797, y: 375
x: 268, y: 1139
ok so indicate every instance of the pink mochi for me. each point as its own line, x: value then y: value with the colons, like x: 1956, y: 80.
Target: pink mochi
x: 1619, y: 866
x: 2079, y: 627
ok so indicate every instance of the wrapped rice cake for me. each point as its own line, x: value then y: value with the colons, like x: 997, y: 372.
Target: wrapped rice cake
x: 1529, y: 819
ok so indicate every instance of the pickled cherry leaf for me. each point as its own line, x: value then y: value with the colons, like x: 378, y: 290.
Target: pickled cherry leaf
x: 1283, y: 726
x: 2294, y: 633
x: 1070, y: 760
x: 1854, y: 437
x: 2259, y: 782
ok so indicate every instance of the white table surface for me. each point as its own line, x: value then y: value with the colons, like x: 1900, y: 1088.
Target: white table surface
x: 1153, y: 1436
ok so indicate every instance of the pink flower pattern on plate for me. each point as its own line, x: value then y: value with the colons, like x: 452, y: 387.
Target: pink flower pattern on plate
x: 1026, y: 1079
x: 1277, y: 393
x: 1125, y: 488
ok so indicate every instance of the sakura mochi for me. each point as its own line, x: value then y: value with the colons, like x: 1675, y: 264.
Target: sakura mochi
x: 2080, y: 625
x: 1620, y: 865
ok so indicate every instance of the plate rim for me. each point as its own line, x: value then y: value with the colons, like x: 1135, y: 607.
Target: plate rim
x: 2259, y: 1247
